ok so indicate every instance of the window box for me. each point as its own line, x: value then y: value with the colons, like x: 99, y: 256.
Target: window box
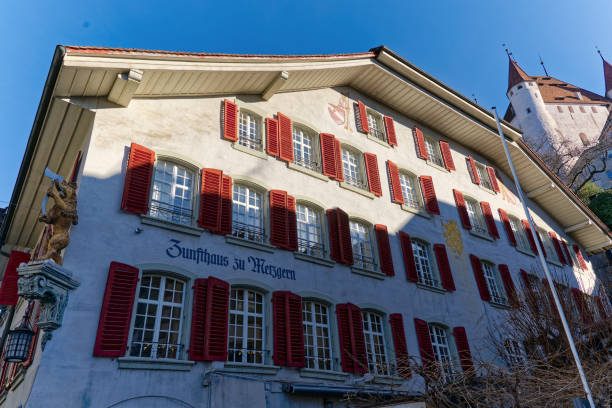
x: 260, y: 246
x: 314, y: 259
x: 305, y: 170
x: 357, y: 190
x: 136, y: 363
x: 250, y: 368
x: 169, y: 225
x: 323, y: 374
x: 257, y: 153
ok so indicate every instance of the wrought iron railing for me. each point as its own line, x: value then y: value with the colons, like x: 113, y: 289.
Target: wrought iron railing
x: 499, y: 300
x: 170, y: 212
x: 251, y: 143
x: 311, y: 248
x: 379, y: 134
x: 246, y: 355
x: 152, y: 349
x: 354, y: 181
x: 429, y: 281
x: 249, y: 232
x: 365, y: 262
x: 308, y: 164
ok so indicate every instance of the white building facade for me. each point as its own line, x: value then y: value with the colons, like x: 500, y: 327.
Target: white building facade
x: 271, y: 231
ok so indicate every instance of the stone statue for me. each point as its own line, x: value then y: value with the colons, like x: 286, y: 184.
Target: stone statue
x: 61, y: 216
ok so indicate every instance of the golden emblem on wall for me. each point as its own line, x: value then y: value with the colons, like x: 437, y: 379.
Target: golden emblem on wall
x: 452, y: 234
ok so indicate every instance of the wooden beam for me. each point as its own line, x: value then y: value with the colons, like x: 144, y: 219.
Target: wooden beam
x: 275, y: 85
x: 541, y: 190
x: 125, y: 87
x: 578, y: 226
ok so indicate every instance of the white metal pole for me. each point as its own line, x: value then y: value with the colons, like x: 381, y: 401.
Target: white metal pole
x: 585, y: 383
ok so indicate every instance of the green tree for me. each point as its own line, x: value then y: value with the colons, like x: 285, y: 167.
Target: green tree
x: 587, y: 191
x: 601, y: 205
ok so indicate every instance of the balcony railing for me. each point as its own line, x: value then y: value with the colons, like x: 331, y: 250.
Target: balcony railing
x: 429, y: 281
x: 151, y: 349
x: 308, y: 164
x: 311, y: 248
x: 354, y: 181
x: 246, y: 355
x: 249, y: 232
x: 365, y: 262
x: 255, y: 144
x: 170, y: 212
x: 378, y: 134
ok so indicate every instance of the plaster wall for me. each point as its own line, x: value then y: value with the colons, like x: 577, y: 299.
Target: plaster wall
x: 190, y: 129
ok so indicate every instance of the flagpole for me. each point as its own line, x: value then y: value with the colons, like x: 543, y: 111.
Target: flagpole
x: 566, y: 328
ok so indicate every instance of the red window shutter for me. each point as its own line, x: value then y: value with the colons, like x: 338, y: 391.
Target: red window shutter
x: 285, y: 138
x: 279, y: 230
x: 568, y: 256
x: 472, y: 169
x: 462, y: 209
x: 557, y: 246
x: 390, y: 127
x: 197, y: 338
x: 116, y: 313
x: 334, y: 238
x: 288, y: 329
x: 291, y: 224
x: 210, y: 199
x: 583, y: 309
x: 506, y: 221
x: 394, y: 182
x: 8, y: 289
x: 419, y: 141
x: 362, y: 115
x: 137, y: 186
x: 425, y: 347
x: 506, y: 278
x: 272, y: 137
x: 76, y: 168
x: 463, y: 348
x: 526, y: 282
x: 402, y: 357
x: 532, y: 243
x: 338, y: 154
x: 429, y: 194
x: 447, y: 156
x: 230, y: 120
x: 483, y: 289
x: 371, y: 164
x: 488, y: 216
x: 344, y: 235
x: 352, y: 341
x: 602, y: 310
x: 328, y: 154
x: 209, y: 320
x: 226, y: 205
x: 444, y: 267
x: 409, y: 266
x: 581, y: 261
x: 384, y: 250
x: 493, y: 179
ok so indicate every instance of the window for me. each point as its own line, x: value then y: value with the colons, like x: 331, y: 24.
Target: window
x: 247, y: 214
x: 551, y: 253
x: 593, y: 109
x: 433, y: 151
x: 376, y: 126
x: 304, y: 149
x: 411, y: 191
x: 528, y: 110
x: 515, y: 355
x: 441, y: 348
x: 159, y: 318
x: 246, y: 327
x: 375, y: 343
x: 249, y: 130
x: 492, y: 283
x: 317, y: 344
x: 353, y: 170
x: 483, y: 175
x: 476, y: 218
x: 422, y: 261
x: 519, y: 233
x: 570, y: 109
x: 519, y: 87
x: 582, y: 109
x: 559, y: 109
x: 583, y: 139
x: 172, y: 198
x: 361, y: 239
x: 309, y: 230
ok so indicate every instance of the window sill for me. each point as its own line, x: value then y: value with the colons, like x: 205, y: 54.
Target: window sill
x: 357, y: 190
x: 420, y: 212
x: 525, y: 251
x: 488, y: 190
x: 481, y: 235
x: 431, y: 288
x: 260, y: 246
x: 323, y: 374
x: 388, y: 380
x: 555, y: 262
x: 135, y: 363
x: 309, y: 172
x: 314, y: 259
x: 435, y: 166
x: 156, y: 222
x: 368, y: 272
x: 498, y: 305
x: 377, y: 140
x: 259, y: 154
x: 250, y: 368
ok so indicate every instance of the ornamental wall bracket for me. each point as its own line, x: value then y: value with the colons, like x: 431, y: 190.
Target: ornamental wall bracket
x: 49, y: 283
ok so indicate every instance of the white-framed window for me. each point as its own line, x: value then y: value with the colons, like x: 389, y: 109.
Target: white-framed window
x: 441, y: 348
x: 426, y: 271
x: 310, y: 230
x: 158, y: 320
x: 246, y: 327
x: 173, y: 192
x: 573, y: 255
x: 376, y: 126
x: 551, y: 253
x: 476, y: 218
x: 433, y: 151
x: 375, y: 343
x: 249, y: 130
x: 483, y: 175
x: 317, y: 341
x: 248, y: 213
x: 519, y: 233
x: 491, y: 277
x: 305, y: 148
x: 411, y: 191
x: 353, y: 168
x: 361, y: 240
x: 514, y: 352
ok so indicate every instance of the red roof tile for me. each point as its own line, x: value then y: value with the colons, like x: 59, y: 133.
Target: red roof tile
x: 515, y: 74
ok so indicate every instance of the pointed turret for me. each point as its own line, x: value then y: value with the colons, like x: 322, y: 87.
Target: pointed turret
x: 608, y: 77
x: 516, y: 74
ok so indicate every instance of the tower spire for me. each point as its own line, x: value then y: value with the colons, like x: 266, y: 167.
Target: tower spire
x: 515, y: 73
x: 607, y: 67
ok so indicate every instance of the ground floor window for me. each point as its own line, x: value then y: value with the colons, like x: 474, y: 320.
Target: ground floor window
x: 317, y: 345
x: 375, y: 343
x: 246, y: 327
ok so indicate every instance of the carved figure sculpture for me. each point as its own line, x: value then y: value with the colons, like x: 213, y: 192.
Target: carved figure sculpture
x: 62, y: 215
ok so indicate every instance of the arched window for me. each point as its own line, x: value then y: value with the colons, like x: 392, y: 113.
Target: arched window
x: 492, y: 279
x: 353, y: 168
x: 426, y: 272
x: 410, y: 190
x: 375, y: 123
x: 317, y: 338
x: 441, y: 347
x: 374, y: 334
x: 475, y: 213
x: 173, y: 193
x: 434, y: 154
x: 305, y: 151
x: 246, y: 326
x: 361, y: 240
x: 584, y: 139
x: 158, y: 321
x: 249, y: 130
x: 310, y: 230
x: 248, y: 213
x: 519, y: 233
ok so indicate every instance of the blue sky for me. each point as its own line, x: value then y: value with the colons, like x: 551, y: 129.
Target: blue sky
x: 459, y: 42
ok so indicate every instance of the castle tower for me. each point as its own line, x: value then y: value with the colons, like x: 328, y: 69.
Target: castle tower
x: 607, y: 77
